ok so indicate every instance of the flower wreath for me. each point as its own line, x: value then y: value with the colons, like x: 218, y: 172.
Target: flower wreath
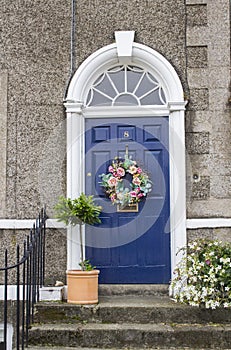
x: 114, y: 185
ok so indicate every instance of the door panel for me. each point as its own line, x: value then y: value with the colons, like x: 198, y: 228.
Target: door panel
x: 130, y: 247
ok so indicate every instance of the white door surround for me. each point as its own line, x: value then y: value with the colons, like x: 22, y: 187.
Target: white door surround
x: 100, y: 61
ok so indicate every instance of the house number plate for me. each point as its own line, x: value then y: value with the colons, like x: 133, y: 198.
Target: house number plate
x: 126, y: 134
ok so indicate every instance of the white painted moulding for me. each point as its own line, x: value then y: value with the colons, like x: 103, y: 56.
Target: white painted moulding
x: 124, y: 42
x: 53, y: 223
x: 45, y: 293
x: 11, y: 224
x: 208, y: 223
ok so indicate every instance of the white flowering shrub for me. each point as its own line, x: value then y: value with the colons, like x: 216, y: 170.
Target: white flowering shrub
x: 203, y: 277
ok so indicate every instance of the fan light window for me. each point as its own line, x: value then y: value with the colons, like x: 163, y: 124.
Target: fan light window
x: 126, y: 86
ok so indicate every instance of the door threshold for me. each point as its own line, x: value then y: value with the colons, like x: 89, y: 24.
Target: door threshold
x: 133, y: 289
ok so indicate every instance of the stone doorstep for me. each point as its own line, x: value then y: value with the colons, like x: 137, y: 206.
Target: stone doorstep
x: 130, y: 309
x: 53, y: 293
x: 77, y: 348
x: 131, y: 335
x: 133, y: 289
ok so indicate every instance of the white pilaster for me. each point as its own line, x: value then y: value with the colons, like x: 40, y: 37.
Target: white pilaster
x: 177, y: 184
x: 75, y: 173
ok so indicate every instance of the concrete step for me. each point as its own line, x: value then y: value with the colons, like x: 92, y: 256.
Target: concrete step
x: 129, y: 309
x: 129, y: 322
x: 128, y: 335
x: 134, y: 289
x: 77, y: 348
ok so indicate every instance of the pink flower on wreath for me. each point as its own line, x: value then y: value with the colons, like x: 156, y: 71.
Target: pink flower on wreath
x: 136, y: 181
x: 111, y: 169
x: 120, y: 172
x: 140, y: 195
x: 113, y: 197
x: 132, y: 169
x: 139, y: 170
x: 133, y: 193
x: 112, y: 182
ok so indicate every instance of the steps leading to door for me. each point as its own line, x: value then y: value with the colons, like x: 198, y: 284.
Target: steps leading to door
x: 130, y: 322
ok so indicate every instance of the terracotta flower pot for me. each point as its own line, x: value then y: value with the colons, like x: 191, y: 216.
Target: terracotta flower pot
x: 82, y: 286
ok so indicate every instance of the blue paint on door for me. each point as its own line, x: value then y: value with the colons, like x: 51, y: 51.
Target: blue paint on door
x: 130, y: 247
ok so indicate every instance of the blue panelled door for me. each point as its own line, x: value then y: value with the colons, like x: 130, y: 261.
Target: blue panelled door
x: 130, y: 247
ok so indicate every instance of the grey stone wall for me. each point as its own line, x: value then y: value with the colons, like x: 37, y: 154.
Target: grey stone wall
x: 35, y: 49
x: 158, y: 24
x: 56, y: 247
x: 193, y: 35
x: 220, y: 234
x: 208, y: 130
x: 35, y: 53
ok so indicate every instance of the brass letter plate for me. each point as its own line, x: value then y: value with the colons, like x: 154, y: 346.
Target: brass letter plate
x: 131, y: 208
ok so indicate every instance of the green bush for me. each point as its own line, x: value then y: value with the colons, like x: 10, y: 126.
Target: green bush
x: 78, y: 211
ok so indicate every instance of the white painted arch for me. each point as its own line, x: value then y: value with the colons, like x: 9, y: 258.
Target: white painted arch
x: 142, y: 56
x: 97, y: 63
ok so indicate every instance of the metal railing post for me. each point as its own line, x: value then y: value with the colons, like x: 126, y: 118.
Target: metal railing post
x: 18, y: 301
x: 28, y: 281
x: 5, y: 299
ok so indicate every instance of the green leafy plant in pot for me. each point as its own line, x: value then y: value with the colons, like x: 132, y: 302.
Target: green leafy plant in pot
x: 80, y: 211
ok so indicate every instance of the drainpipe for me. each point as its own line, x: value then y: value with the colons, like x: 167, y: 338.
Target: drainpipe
x: 72, y: 45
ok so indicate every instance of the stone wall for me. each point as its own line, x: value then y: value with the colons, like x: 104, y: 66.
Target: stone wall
x: 35, y: 55
x: 55, y: 248
x: 221, y: 234
x: 193, y: 35
x: 35, y: 64
x: 208, y: 129
x: 158, y: 24
x: 36, y: 58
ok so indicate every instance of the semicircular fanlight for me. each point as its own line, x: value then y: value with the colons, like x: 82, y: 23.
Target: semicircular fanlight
x: 125, y: 86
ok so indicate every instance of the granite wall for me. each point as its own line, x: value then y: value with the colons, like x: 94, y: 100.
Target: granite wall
x: 208, y: 127
x: 55, y: 248
x: 35, y: 70
x: 158, y: 24
x: 36, y: 56
x: 35, y: 52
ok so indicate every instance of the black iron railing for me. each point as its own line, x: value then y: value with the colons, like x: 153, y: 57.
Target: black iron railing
x: 29, y: 277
